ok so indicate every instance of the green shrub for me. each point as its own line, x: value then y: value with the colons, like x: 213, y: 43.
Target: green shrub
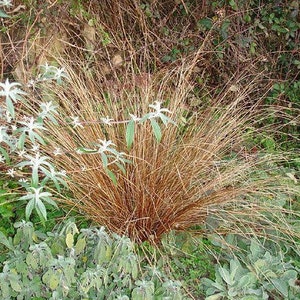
x: 258, y: 274
x: 68, y: 264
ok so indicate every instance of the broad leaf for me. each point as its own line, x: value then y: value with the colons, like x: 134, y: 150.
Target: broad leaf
x: 80, y: 246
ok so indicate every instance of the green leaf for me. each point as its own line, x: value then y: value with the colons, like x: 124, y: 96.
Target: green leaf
x: 108, y: 253
x: 120, y: 166
x: 144, y: 118
x: 21, y: 140
x: 35, y: 176
x: 156, y: 130
x: 51, y: 202
x: 112, y: 176
x: 5, y: 155
x: 29, y: 208
x: 3, y: 14
x: 46, y: 276
x: 4, y: 241
x: 53, y: 282
x: 225, y: 275
x: 269, y: 143
x: 5, y: 289
x: 255, y: 249
x: 41, y: 209
x: 215, y: 297
x: 166, y: 119
x: 10, y: 106
x: 85, y: 150
x: 205, y: 24
x: 31, y: 261
x: 104, y: 160
x: 247, y: 280
x: 80, y: 246
x: 130, y: 133
x: 234, y: 267
x: 260, y: 265
x: 281, y: 285
x: 69, y: 240
x: 50, y: 279
x: 15, y: 285
x: 134, y: 270
x: 233, y: 5
x: 251, y: 297
x: 100, y: 253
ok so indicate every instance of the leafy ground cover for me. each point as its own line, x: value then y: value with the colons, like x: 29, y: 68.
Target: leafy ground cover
x: 175, y: 123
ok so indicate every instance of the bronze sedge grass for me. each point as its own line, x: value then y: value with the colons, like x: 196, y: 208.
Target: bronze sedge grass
x: 168, y: 185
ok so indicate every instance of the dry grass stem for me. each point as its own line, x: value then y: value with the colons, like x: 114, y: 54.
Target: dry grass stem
x: 198, y: 165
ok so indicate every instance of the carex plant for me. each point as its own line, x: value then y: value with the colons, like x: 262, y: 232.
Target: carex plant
x: 134, y: 157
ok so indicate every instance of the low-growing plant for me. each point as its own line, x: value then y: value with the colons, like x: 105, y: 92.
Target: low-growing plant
x: 254, y: 273
x: 189, y: 259
x: 72, y: 264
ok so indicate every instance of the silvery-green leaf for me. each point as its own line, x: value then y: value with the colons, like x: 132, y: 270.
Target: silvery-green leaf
x: 50, y: 201
x: 260, y: 264
x: 3, y: 14
x: 29, y: 207
x: 21, y: 141
x: 145, y: 117
x: 53, y: 281
x: 225, y: 275
x: 4, y: 241
x: 5, y: 288
x: 69, y: 240
x: 247, y: 280
x: 15, y: 286
x: 80, y: 245
x: 130, y: 133
x: 234, y: 266
x: 134, y: 270
x: 281, y: 285
x: 255, y: 249
x: 31, y: 261
x: 41, y: 209
x: 104, y: 159
x: 5, y: 155
x: 215, y: 297
x: 112, y: 176
x: 108, y: 253
x: 156, y: 130
x: 10, y: 107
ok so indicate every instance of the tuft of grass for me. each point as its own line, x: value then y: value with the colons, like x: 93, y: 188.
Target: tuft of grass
x: 199, y: 166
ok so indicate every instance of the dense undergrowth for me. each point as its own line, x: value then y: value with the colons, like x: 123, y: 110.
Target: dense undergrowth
x: 174, y: 123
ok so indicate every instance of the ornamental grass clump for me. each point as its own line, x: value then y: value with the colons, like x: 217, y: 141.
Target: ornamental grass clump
x: 141, y: 162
